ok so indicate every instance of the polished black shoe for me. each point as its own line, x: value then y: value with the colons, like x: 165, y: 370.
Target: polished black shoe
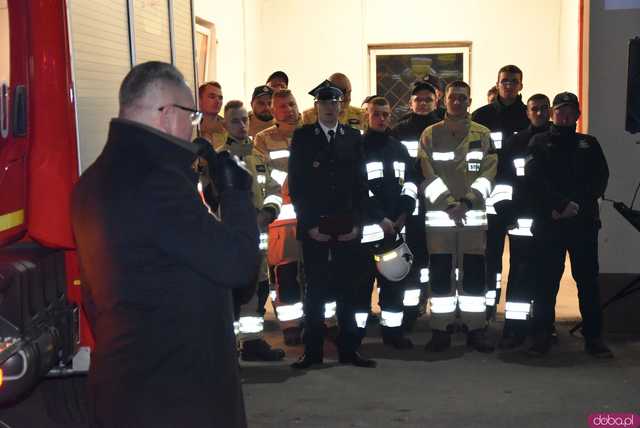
x: 306, y: 361
x: 292, y: 336
x: 597, y: 348
x: 259, y: 350
x: 395, y: 337
x: 511, y: 341
x: 440, y: 341
x: 355, y: 359
x: 541, y: 345
x: 479, y: 341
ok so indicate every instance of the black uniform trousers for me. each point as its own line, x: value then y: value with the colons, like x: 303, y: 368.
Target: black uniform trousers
x: 524, y: 261
x: 581, y: 242
x: 331, y: 270
x: 391, y: 294
x: 496, y: 234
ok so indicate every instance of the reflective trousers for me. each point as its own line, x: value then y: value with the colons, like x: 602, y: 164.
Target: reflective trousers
x: 496, y: 233
x: 457, y: 277
x: 581, y: 242
x: 331, y: 269
x: 522, y: 283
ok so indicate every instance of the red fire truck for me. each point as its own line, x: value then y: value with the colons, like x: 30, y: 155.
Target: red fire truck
x: 60, y: 66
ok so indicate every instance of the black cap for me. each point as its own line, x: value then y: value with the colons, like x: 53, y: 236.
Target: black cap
x: 435, y: 81
x: 422, y: 85
x: 564, y: 98
x: 326, y: 92
x: 261, y: 90
x: 369, y: 98
x: 278, y: 75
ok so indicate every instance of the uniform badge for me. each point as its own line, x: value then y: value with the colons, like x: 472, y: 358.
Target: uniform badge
x: 261, y: 168
x: 341, y: 131
x: 582, y: 144
x: 316, y: 164
x: 354, y: 121
x: 316, y: 131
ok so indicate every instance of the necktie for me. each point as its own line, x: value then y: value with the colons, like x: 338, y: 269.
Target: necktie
x: 332, y: 139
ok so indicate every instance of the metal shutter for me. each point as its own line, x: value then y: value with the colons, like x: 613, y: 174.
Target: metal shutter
x: 151, y: 29
x: 183, y: 39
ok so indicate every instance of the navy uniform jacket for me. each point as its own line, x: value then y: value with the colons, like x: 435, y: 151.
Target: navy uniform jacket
x: 160, y: 269
x: 325, y: 181
x: 564, y: 166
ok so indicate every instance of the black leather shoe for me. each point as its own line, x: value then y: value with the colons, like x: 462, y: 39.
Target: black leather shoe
x: 259, y: 350
x: 597, y: 348
x: 541, y: 345
x: 306, y: 361
x: 354, y: 358
x: 479, y: 341
x: 395, y: 337
x: 440, y: 341
x: 511, y: 341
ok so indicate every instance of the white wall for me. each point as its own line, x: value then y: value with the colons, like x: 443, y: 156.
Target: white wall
x: 310, y: 40
x: 610, y: 32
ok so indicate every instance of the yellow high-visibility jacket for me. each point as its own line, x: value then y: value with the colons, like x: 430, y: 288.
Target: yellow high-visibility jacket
x: 352, y: 116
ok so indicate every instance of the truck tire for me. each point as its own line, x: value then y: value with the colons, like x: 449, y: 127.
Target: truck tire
x: 66, y: 399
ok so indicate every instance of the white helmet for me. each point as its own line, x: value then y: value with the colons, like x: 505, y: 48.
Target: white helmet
x: 395, y: 263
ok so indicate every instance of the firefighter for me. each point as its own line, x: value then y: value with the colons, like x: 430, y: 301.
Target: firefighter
x: 260, y: 116
x: 505, y: 116
x: 457, y: 160
x: 392, y: 198
x: 438, y: 84
x: 278, y: 80
x: 349, y: 115
x: 249, y: 321
x: 284, y: 256
x: 422, y: 103
x: 212, y: 126
x: 518, y: 215
x: 328, y: 186
x: 567, y: 173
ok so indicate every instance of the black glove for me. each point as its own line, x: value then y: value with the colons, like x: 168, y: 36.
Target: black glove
x: 206, y: 152
x: 229, y: 174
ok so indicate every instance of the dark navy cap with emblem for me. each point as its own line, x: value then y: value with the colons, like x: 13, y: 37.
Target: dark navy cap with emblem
x: 261, y: 90
x: 566, y: 98
x: 279, y: 75
x: 435, y: 81
x: 422, y: 85
x: 326, y: 92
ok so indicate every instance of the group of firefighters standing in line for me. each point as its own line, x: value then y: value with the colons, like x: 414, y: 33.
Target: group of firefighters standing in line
x: 338, y: 192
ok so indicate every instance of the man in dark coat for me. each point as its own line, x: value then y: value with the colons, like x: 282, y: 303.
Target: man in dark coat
x: 159, y: 268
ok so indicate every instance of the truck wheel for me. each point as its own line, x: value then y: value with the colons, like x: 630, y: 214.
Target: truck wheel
x: 66, y: 399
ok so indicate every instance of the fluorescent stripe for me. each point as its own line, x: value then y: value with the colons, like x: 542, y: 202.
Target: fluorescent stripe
x: 518, y: 307
x: 416, y: 210
x: 412, y: 147
x: 264, y: 241
x: 236, y: 328
x: 443, y: 305
x: 273, y: 294
x: 475, y: 155
x: 361, y: 319
x: 329, y: 310
x: 490, y: 302
x: 399, y: 168
x: 438, y: 219
x: 404, y: 229
x: 491, y: 294
x: 11, y: 220
x: 371, y: 194
x: 290, y: 312
x: 519, y: 164
x: 410, y: 189
x: 515, y: 315
x: 200, y: 189
x: 424, y: 275
x: 435, y: 189
x: 472, y: 303
x: 261, y: 178
x: 476, y: 218
x: 287, y: 212
x: 251, y: 325
x: 497, y: 139
x: 391, y: 319
x: 273, y: 199
x: 443, y: 156
x: 372, y: 233
x: 411, y: 298
x: 483, y: 186
x: 374, y: 170
x: 502, y: 192
x: 279, y: 176
x: 279, y: 154
x: 523, y: 229
x: 457, y: 274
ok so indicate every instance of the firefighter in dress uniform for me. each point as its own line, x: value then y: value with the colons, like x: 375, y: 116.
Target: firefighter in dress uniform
x: 391, y: 175
x: 505, y: 116
x: 328, y: 186
x: 250, y: 322
x: 459, y: 164
x: 349, y: 115
x: 518, y: 214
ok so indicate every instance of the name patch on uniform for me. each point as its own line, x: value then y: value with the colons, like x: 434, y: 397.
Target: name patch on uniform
x: 261, y: 168
x: 582, y: 144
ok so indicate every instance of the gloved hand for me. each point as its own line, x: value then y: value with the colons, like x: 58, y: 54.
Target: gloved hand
x: 206, y: 152
x: 230, y: 175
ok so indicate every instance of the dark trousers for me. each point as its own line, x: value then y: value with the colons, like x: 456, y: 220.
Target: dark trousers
x: 332, y: 269
x: 496, y: 233
x: 416, y: 239
x: 391, y: 294
x: 523, y: 264
x: 582, y: 244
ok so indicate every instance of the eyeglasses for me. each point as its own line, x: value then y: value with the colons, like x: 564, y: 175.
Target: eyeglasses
x: 194, y: 115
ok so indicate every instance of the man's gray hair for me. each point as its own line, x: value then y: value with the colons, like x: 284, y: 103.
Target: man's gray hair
x: 135, y: 84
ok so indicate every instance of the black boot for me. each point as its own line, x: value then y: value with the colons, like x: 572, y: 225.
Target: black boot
x: 292, y: 336
x: 307, y: 360
x: 394, y: 336
x: 440, y: 341
x: 597, y: 348
x: 259, y: 350
x: 479, y: 341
